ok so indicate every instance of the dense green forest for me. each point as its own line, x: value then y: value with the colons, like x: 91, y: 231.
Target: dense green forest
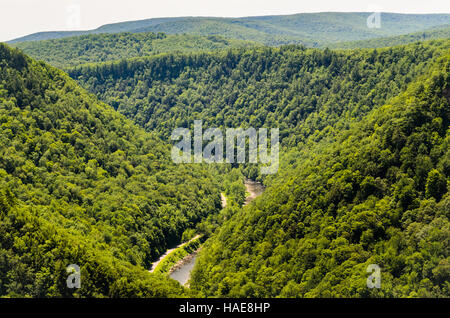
x: 348, y: 194
x: 81, y: 184
x: 376, y: 193
x: 86, y: 175
x: 73, y: 51
x: 301, y: 91
x: 311, y: 29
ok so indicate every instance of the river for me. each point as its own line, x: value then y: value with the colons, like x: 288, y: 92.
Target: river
x: 255, y: 189
x: 170, y: 251
x: 183, y: 270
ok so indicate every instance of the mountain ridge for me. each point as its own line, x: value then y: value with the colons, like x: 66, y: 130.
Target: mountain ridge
x: 302, y: 28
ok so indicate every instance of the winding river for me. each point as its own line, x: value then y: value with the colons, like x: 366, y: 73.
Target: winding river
x: 183, y: 270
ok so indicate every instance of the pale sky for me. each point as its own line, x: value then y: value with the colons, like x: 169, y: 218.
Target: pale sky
x: 23, y: 17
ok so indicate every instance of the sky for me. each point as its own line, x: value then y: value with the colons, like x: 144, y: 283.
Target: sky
x: 23, y: 17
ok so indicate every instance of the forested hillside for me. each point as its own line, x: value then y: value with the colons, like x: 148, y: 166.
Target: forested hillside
x: 347, y: 195
x: 301, y: 91
x: 311, y: 29
x: 73, y: 51
x: 435, y: 33
x: 377, y: 193
x: 81, y: 184
x: 363, y: 176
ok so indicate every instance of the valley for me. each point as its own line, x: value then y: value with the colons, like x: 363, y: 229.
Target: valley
x: 182, y: 269
x: 88, y: 175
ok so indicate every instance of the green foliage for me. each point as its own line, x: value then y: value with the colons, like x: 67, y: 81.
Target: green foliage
x: 359, y: 183
x: 300, y: 91
x: 34, y: 255
x: 436, y: 185
x: 313, y: 96
x: 177, y: 255
x: 73, y: 51
x: 233, y: 187
x: 188, y: 234
x: 76, y: 166
x: 375, y: 194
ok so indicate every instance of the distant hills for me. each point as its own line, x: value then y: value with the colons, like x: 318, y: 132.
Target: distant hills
x: 73, y: 51
x: 441, y: 32
x: 311, y: 29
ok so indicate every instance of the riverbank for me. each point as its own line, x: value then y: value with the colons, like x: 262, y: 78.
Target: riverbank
x: 171, y: 256
x: 179, y: 261
x: 255, y: 189
x: 178, y: 256
x: 181, y: 271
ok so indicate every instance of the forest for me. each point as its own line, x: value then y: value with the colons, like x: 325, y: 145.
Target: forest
x: 86, y: 175
x: 82, y: 184
x: 73, y: 51
x: 375, y: 194
x: 366, y: 164
x: 301, y: 91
